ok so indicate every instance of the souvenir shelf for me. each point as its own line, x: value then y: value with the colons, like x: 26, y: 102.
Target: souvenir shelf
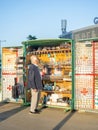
x: 56, y: 61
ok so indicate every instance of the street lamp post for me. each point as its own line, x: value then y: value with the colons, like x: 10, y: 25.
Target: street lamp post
x: 1, y: 57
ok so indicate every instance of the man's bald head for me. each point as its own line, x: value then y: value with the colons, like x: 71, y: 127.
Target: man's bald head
x: 34, y: 59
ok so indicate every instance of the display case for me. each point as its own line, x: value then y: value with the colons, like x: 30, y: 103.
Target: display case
x: 12, y: 74
x: 86, y: 75
x: 56, y: 69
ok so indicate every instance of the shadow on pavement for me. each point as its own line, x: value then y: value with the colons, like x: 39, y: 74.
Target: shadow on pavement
x: 3, y: 103
x: 58, y: 126
x: 6, y: 114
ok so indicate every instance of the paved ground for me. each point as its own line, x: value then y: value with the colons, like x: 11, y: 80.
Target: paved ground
x: 17, y: 117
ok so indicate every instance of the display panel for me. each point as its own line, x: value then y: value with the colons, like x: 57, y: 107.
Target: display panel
x: 12, y: 76
x: 86, y: 75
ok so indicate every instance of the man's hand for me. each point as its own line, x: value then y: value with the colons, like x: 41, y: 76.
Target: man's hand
x: 35, y: 90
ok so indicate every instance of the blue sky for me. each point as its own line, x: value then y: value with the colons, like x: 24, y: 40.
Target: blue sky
x: 42, y: 18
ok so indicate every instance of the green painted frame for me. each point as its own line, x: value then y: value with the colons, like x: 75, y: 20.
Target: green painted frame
x: 49, y: 42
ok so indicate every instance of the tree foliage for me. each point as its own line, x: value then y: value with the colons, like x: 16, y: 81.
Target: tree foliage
x: 30, y: 37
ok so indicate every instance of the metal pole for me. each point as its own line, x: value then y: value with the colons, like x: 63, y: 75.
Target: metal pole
x: 1, y: 66
x: 1, y: 56
x: 73, y: 66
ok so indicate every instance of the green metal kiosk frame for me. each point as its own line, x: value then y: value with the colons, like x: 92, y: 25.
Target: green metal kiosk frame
x: 46, y: 43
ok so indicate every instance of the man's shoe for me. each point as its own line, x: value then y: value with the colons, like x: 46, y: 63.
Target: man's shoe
x: 36, y: 110
x: 33, y: 112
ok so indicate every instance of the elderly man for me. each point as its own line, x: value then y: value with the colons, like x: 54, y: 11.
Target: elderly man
x: 34, y: 83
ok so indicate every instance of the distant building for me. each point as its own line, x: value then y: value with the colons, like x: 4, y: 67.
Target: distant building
x: 82, y: 33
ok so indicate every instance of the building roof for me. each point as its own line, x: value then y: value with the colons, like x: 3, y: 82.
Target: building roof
x: 85, y: 28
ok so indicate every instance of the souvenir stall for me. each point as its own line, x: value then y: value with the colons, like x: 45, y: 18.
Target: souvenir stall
x: 56, y: 58
x: 12, y: 74
x: 86, y: 75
